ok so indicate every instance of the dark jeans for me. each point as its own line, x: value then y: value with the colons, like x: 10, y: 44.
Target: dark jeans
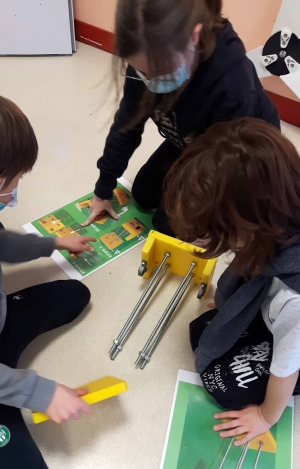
x: 32, y: 312
x: 240, y: 377
x: 148, y: 186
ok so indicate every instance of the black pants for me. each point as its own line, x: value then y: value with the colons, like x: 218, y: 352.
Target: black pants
x: 32, y: 312
x: 240, y: 377
x: 148, y: 186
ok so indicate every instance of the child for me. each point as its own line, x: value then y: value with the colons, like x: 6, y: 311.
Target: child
x: 238, y: 187
x: 187, y: 69
x: 28, y: 313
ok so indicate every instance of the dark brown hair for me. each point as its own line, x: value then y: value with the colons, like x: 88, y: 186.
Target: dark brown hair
x: 239, y: 181
x: 18, y: 144
x: 158, y: 28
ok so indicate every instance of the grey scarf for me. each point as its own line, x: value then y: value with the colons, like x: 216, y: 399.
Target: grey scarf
x: 238, y: 301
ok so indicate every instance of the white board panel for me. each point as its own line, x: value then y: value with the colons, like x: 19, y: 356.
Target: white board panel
x: 35, y: 27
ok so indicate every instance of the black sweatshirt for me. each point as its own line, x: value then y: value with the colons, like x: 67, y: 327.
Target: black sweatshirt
x: 225, y: 86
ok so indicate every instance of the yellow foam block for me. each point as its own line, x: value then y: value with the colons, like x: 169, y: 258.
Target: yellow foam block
x: 51, y: 224
x: 267, y: 439
x: 269, y: 443
x: 121, y: 196
x: 181, y: 256
x: 99, y: 390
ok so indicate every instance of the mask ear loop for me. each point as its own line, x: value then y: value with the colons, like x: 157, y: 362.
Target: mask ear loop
x: 1, y: 184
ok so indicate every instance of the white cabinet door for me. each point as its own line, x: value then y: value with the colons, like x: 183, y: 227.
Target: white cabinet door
x: 36, y: 27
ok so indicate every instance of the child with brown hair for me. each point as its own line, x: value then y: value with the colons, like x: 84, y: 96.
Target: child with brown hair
x: 238, y: 187
x: 31, y: 312
x: 186, y: 69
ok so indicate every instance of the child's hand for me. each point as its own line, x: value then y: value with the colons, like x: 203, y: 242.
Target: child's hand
x: 66, y: 403
x: 249, y: 422
x: 74, y: 243
x: 99, y: 207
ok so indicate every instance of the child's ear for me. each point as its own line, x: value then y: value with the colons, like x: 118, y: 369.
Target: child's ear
x: 195, y: 37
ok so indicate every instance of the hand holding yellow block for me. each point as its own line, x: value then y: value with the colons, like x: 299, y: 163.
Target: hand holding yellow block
x: 99, y: 390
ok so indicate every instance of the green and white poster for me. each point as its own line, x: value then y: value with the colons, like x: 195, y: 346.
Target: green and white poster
x: 114, y: 237
x: 191, y: 442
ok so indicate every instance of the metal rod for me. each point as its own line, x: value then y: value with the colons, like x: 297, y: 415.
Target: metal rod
x: 226, y: 454
x: 138, y: 314
x: 116, y: 341
x: 243, y: 455
x: 142, y: 352
x: 261, y: 444
x: 166, y: 322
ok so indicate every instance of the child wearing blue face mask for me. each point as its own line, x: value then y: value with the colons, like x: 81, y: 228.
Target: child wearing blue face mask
x: 28, y: 313
x: 186, y: 70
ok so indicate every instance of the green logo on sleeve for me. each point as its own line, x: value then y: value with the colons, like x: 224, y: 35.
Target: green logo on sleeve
x: 4, y: 436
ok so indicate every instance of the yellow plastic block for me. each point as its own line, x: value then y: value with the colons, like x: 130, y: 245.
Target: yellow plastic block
x: 101, y: 219
x: 134, y: 227
x: 99, y: 390
x: 267, y: 439
x: 181, y: 256
x: 269, y: 443
x: 121, y: 196
x: 51, y: 224
x: 66, y: 232
x: 111, y: 240
x: 84, y: 204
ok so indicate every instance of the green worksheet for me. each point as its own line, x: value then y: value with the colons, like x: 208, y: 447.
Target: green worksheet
x: 191, y: 442
x: 114, y: 237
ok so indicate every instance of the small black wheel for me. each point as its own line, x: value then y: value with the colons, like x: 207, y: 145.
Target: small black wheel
x: 201, y: 291
x: 142, y: 269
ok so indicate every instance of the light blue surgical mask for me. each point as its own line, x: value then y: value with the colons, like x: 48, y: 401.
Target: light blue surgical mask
x: 166, y: 83
x: 14, y: 199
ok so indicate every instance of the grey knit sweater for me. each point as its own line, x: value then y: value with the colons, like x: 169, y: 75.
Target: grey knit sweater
x: 22, y: 388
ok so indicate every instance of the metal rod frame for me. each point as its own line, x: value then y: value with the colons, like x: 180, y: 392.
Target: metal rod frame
x: 165, y: 324
x: 226, y: 454
x: 142, y: 353
x: 139, y: 313
x: 261, y: 444
x: 243, y: 455
x: 127, y: 325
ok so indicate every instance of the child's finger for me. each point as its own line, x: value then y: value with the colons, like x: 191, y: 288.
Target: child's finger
x: 86, y: 247
x: 230, y: 414
x: 85, y: 408
x: 227, y: 425
x: 88, y: 239
x: 113, y: 213
x: 235, y: 432
x: 211, y: 305
x: 82, y: 391
x: 244, y: 440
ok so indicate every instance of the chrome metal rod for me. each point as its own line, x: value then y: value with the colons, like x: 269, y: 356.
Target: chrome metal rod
x: 226, y: 454
x: 138, y: 314
x: 243, y: 455
x: 142, y: 352
x: 261, y: 444
x: 149, y: 353
x: 116, y: 341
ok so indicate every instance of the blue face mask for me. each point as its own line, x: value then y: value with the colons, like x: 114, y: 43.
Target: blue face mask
x: 13, y: 202
x: 166, y: 83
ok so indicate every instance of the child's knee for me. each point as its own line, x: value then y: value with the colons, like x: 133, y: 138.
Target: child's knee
x: 79, y: 292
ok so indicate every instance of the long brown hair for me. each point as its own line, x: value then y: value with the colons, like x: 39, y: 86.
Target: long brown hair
x: 239, y: 181
x: 158, y: 28
x: 18, y: 144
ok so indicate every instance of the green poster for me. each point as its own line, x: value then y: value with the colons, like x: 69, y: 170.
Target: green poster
x: 114, y: 237
x: 191, y: 442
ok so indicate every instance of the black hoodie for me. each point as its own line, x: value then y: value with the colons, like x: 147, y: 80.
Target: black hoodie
x: 223, y: 87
